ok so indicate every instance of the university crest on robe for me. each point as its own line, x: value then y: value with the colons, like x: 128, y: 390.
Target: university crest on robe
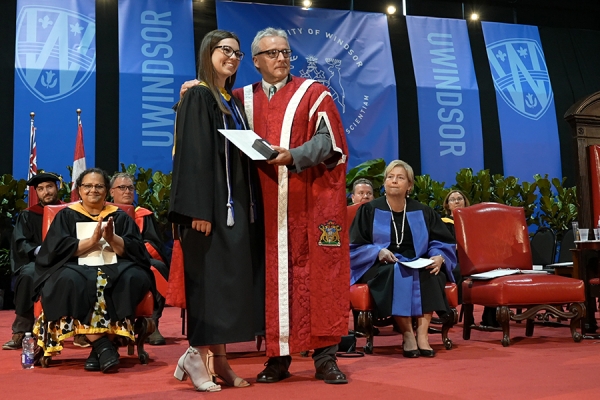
x: 55, y: 51
x: 521, y: 76
x: 330, y: 234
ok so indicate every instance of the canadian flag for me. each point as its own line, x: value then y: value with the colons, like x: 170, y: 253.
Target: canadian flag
x: 32, y: 171
x: 78, y: 159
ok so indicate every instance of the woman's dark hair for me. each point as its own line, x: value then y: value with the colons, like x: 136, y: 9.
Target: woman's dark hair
x: 90, y: 171
x: 447, y: 200
x: 206, y: 70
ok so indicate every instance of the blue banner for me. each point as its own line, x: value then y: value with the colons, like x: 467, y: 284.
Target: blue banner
x: 448, y: 97
x: 349, y: 52
x: 525, y: 100
x: 156, y: 55
x: 55, y: 74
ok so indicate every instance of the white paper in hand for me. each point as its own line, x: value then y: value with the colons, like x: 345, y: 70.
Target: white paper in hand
x: 418, y: 263
x: 105, y: 256
x: 243, y: 140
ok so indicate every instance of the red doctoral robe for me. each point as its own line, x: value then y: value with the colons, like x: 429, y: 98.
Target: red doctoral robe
x: 307, y: 251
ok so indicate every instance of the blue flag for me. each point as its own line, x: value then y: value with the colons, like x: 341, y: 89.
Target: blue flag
x: 448, y: 96
x: 156, y: 55
x: 348, y: 52
x: 55, y: 74
x: 526, y: 112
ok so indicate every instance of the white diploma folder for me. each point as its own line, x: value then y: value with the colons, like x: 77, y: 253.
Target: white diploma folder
x: 418, y: 263
x: 244, y: 140
x: 105, y: 256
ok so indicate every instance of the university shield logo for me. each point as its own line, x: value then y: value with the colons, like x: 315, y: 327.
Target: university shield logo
x: 521, y: 76
x: 333, y: 75
x: 55, y: 51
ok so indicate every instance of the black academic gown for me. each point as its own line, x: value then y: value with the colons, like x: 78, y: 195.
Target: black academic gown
x: 69, y: 289
x: 222, y: 305
x: 26, y: 237
x: 380, y: 276
x: 151, y: 235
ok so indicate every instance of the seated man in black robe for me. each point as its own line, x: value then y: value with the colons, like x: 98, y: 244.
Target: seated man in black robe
x: 25, y: 245
x: 122, y: 190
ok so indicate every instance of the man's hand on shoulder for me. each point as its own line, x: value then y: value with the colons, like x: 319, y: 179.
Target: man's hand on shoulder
x: 186, y: 85
x: 284, y: 157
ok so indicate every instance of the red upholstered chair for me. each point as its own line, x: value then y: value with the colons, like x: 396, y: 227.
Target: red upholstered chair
x: 491, y: 236
x: 362, y: 302
x: 144, y: 324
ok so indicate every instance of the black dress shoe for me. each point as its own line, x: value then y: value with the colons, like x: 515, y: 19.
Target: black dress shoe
x: 156, y: 339
x: 15, y: 343
x: 410, y: 353
x: 330, y: 373
x: 92, y: 363
x: 427, y: 353
x: 107, y: 354
x: 276, y: 370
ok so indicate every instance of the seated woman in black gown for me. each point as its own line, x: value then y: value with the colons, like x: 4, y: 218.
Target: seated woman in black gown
x: 455, y: 199
x: 98, y: 301
x: 394, y: 228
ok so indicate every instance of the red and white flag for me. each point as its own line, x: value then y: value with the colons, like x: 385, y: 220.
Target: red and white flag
x: 32, y: 198
x: 78, y: 160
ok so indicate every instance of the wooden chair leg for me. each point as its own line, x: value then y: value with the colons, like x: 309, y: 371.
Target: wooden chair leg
x: 529, y: 328
x: 469, y: 320
x: 143, y: 328
x: 183, y: 321
x: 365, y: 326
x: 580, y: 311
x: 503, y: 318
x: 448, y: 323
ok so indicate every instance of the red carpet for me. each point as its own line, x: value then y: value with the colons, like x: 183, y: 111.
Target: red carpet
x: 548, y: 365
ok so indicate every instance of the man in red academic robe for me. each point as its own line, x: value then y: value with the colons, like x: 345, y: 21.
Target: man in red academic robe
x: 122, y: 191
x: 304, y: 194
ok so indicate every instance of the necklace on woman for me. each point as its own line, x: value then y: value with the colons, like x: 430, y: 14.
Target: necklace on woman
x: 398, y: 243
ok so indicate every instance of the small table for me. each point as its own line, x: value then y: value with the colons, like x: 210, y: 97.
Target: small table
x: 579, y: 271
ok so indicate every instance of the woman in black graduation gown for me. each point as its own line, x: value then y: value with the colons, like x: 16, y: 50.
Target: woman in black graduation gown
x: 394, y: 229
x: 213, y: 200
x: 83, y: 299
x: 453, y: 200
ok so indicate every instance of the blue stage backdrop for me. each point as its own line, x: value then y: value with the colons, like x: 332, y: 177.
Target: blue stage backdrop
x: 156, y: 55
x: 349, y: 52
x: 528, y: 127
x: 448, y: 96
x: 55, y: 64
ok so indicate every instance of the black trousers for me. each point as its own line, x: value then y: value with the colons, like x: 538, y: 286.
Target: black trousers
x: 320, y: 356
x: 159, y: 300
x: 24, y: 299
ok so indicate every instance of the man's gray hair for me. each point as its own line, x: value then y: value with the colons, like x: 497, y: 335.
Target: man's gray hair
x: 361, y: 181
x: 121, y: 175
x: 267, y: 33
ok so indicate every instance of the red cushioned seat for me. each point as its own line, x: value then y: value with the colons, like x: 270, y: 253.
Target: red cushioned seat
x: 524, y: 289
x: 491, y: 236
x: 360, y: 297
x: 362, y: 302
x: 451, y: 290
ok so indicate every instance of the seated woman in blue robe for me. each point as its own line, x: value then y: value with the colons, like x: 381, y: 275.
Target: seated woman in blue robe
x: 82, y: 297
x: 394, y: 229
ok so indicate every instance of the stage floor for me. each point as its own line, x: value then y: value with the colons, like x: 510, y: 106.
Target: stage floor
x: 548, y: 365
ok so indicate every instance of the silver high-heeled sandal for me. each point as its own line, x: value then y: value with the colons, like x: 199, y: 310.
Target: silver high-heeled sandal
x: 188, y: 365
x: 237, y: 381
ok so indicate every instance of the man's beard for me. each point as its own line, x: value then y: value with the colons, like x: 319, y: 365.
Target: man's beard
x: 53, y: 200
